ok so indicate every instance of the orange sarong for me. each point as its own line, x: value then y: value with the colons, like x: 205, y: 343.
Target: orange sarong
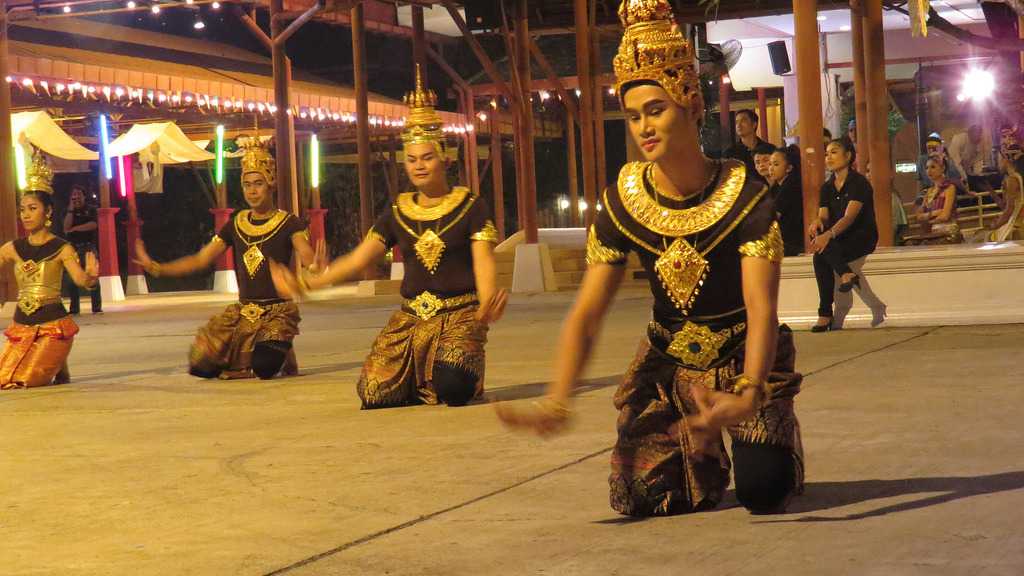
x: 33, y: 355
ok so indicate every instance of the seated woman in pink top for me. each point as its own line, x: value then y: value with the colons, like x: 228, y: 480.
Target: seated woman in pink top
x: 937, y: 213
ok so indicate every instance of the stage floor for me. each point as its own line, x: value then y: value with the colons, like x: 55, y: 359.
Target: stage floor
x: 912, y: 438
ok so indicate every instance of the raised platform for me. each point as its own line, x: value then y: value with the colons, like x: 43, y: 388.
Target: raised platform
x: 922, y: 286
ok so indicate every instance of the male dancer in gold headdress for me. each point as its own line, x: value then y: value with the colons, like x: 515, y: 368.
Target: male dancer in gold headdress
x: 714, y: 356
x: 432, y: 350
x: 253, y: 336
x: 40, y: 337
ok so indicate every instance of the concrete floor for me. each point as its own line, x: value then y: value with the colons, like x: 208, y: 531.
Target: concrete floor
x: 912, y: 437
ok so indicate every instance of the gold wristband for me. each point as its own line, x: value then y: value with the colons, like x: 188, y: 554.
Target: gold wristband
x: 742, y: 382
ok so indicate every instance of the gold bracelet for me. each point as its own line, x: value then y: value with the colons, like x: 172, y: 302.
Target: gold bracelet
x: 742, y: 382
x: 554, y: 409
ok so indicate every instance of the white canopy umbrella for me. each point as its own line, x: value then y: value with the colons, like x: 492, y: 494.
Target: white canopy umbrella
x: 37, y: 128
x: 174, y: 146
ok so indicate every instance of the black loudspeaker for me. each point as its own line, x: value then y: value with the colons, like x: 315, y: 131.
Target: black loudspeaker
x: 780, y: 57
x: 483, y: 14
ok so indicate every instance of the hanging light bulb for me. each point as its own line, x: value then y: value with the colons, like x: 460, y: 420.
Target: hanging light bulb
x: 131, y: 4
x: 67, y: 8
x: 199, y: 25
x: 155, y: 8
x: 215, y: 5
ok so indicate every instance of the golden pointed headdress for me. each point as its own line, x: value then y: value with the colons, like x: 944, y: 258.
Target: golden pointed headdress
x: 39, y: 175
x: 257, y: 158
x: 424, y: 124
x: 651, y: 50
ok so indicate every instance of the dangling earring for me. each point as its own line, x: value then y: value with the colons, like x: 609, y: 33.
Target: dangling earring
x: 49, y: 222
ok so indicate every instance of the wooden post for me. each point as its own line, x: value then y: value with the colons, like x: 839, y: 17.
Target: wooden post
x: 599, y: 143
x: 808, y: 78
x: 574, y: 193
x: 362, y: 120
x: 878, y: 118
x: 393, y: 163
x: 282, y: 132
x: 724, y: 115
x: 860, y: 97
x: 419, y: 42
x: 586, y: 108
x: 221, y: 216
x: 497, y: 175
x: 300, y: 178
x: 528, y: 169
x: 8, y: 200
x: 762, y: 113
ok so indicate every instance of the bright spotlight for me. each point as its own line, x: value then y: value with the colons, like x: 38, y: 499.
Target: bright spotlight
x: 978, y: 85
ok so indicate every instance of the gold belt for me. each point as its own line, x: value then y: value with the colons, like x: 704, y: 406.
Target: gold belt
x: 695, y: 344
x: 427, y: 305
x: 29, y: 304
x: 252, y: 311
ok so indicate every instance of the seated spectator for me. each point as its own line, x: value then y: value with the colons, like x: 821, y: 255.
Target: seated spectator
x: 900, y: 225
x: 762, y: 159
x: 969, y: 152
x: 1010, y: 224
x: 843, y: 233
x: 786, y: 192
x: 937, y: 211
x: 935, y: 147
x: 747, y: 139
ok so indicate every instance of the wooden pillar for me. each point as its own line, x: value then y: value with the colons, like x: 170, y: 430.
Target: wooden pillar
x: 300, y: 178
x: 586, y: 119
x: 724, y: 115
x: 471, y: 146
x: 362, y: 120
x: 599, y: 143
x: 497, y: 182
x: 283, y: 145
x: 8, y: 199
x: 808, y: 77
x: 860, y: 97
x: 419, y: 42
x: 528, y: 168
x: 574, y: 192
x: 878, y: 118
x: 393, y: 163
x: 762, y: 113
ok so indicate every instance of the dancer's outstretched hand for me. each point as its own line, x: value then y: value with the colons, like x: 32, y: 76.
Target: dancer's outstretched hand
x: 492, y: 310
x: 545, y: 418
x: 320, y: 260
x: 285, y: 281
x: 141, y: 256
x: 92, y: 265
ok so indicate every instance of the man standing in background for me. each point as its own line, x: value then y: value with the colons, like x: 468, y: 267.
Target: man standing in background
x: 80, y: 230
